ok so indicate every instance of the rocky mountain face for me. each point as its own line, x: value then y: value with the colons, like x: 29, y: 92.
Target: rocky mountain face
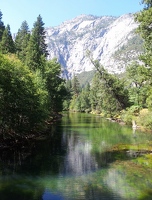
x: 111, y: 40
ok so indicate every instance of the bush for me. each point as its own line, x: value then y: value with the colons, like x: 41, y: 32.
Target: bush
x: 130, y: 114
x: 145, y: 119
x: 22, y: 98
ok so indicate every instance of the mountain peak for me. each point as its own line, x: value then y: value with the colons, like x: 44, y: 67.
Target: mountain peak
x: 104, y: 36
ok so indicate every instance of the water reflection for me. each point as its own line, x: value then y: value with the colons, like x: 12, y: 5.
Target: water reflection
x: 115, y: 179
x: 74, y: 163
x: 79, y: 159
x: 49, y: 196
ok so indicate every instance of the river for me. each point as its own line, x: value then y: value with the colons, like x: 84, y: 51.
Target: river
x: 81, y: 159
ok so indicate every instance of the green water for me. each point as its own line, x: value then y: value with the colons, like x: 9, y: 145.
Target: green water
x: 77, y: 162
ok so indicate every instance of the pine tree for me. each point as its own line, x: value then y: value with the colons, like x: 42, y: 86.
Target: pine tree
x: 144, y: 18
x: 37, y: 48
x: 96, y: 93
x: 136, y: 80
x: 40, y: 30
x: 148, y: 3
x: 113, y: 86
x: 75, y: 86
x: 21, y: 41
x: 85, y: 105
x: 2, y: 27
x: 55, y: 85
x: 7, y: 43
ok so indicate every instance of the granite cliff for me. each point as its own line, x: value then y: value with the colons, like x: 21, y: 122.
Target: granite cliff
x: 112, y: 40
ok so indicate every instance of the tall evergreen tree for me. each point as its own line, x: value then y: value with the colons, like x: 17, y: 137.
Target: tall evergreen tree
x: 136, y: 80
x: 85, y: 105
x: 7, y: 43
x: 55, y: 86
x: 144, y: 18
x: 75, y: 86
x: 21, y: 41
x: 113, y: 85
x: 37, y: 48
x: 95, y: 95
x: 2, y: 27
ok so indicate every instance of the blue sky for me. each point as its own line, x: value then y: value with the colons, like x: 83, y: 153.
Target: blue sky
x: 54, y: 12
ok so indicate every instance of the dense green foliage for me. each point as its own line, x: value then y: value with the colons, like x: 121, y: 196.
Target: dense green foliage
x: 144, y: 29
x: 137, y: 86
x: 37, y: 49
x: 31, y: 87
x: 21, y: 41
x: 2, y: 27
x: 145, y: 20
x: 22, y: 100
x: 55, y: 85
x: 7, y: 43
x: 27, y: 98
x: 106, y: 94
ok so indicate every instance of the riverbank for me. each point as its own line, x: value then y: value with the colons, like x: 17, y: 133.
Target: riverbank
x: 137, y: 119
x: 12, y: 140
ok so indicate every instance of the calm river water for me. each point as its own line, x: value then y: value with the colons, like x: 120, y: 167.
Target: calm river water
x: 76, y: 163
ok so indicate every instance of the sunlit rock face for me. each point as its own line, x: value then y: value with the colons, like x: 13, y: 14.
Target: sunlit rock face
x: 102, y: 36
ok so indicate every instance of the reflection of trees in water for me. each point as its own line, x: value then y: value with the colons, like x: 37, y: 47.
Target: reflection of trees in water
x: 78, y: 159
x: 15, y: 184
x: 40, y: 157
x: 16, y: 188
x: 12, y: 160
